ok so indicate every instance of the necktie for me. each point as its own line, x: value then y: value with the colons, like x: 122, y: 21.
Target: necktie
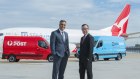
x: 63, y: 35
x: 83, y: 38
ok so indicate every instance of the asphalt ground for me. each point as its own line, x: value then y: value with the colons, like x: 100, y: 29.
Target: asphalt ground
x: 127, y: 68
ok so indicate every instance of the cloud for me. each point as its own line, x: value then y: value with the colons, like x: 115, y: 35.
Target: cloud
x: 47, y: 13
x: 125, y: 1
x: 61, y: 5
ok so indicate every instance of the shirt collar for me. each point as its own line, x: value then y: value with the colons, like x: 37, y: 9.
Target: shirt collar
x: 85, y: 35
x: 61, y: 31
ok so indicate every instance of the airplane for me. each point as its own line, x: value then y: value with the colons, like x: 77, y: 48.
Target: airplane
x: 117, y: 29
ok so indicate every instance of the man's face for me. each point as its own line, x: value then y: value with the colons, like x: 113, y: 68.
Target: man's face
x: 62, y: 26
x: 85, y: 29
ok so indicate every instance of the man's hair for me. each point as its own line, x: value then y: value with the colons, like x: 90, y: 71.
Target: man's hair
x: 62, y: 21
x: 85, y: 25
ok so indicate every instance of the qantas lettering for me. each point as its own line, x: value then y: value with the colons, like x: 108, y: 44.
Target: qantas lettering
x: 35, y: 34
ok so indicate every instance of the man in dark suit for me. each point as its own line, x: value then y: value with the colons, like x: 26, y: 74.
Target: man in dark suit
x: 86, y: 50
x: 59, y: 43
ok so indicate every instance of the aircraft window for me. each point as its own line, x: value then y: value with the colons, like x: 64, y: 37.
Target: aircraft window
x: 42, y: 44
x: 1, y: 34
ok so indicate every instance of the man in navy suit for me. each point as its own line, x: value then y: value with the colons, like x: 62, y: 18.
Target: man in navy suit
x: 59, y: 43
x: 86, y: 50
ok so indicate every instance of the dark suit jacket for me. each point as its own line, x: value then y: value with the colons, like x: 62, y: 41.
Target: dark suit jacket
x: 58, y: 46
x: 86, y: 48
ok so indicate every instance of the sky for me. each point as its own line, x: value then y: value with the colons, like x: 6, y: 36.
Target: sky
x: 98, y: 14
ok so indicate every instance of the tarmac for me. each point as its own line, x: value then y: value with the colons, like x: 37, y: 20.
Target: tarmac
x: 127, y: 68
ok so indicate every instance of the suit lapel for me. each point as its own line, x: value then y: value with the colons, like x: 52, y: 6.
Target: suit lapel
x: 61, y: 35
x: 84, y: 40
x: 65, y: 36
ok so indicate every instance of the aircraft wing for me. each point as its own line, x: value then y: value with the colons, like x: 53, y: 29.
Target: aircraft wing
x: 133, y: 35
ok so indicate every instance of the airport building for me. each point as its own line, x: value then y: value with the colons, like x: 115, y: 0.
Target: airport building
x: 133, y: 42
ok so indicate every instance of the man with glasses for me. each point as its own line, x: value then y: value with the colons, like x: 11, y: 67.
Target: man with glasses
x: 86, y: 50
x: 59, y: 43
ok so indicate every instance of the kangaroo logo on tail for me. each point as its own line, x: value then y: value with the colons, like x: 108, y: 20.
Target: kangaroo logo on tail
x: 120, y: 25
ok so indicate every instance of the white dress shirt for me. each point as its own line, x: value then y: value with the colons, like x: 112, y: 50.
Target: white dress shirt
x: 63, y: 34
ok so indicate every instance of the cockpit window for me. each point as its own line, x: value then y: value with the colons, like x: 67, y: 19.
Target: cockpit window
x: 1, y: 34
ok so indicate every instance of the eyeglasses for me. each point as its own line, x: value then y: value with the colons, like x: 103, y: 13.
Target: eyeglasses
x: 85, y: 28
